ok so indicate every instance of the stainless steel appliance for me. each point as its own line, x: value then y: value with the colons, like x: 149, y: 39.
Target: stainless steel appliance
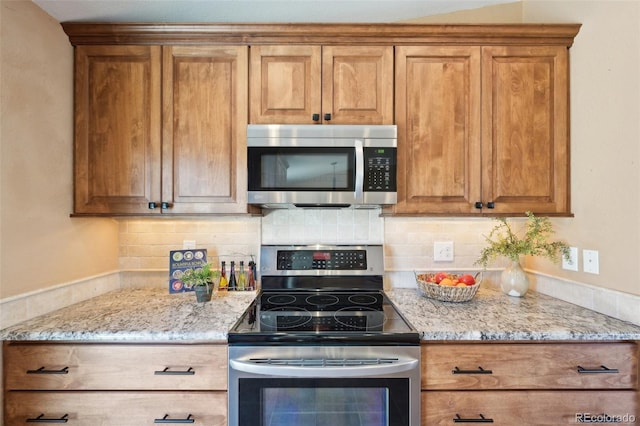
x: 323, y: 344
x: 321, y: 165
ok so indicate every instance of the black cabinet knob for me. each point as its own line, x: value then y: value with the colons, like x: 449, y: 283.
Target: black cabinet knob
x: 327, y: 117
x: 164, y: 205
x: 491, y: 205
x: 315, y: 117
x: 152, y: 205
x: 478, y: 204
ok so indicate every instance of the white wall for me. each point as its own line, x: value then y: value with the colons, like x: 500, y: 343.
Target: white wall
x: 40, y: 245
x: 35, y: 168
x: 605, y: 135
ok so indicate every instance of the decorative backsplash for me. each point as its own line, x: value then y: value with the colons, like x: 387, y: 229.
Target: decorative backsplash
x: 144, y: 245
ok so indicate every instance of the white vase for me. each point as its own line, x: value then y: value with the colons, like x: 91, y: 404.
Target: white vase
x: 514, y: 280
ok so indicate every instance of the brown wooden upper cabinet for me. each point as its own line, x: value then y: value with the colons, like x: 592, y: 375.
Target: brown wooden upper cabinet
x: 482, y: 130
x: 482, y: 110
x: 310, y: 84
x: 160, y: 129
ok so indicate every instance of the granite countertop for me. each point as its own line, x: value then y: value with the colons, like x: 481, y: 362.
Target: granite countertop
x: 138, y: 315
x: 492, y: 315
x: 153, y: 315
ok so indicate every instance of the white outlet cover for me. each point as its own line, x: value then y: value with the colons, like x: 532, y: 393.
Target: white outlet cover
x: 188, y: 244
x: 443, y: 251
x: 572, y: 263
x: 590, y: 262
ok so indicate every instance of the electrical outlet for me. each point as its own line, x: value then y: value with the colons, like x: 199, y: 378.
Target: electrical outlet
x: 443, y: 251
x: 590, y: 262
x: 572, y: 263
x: 188, y: 244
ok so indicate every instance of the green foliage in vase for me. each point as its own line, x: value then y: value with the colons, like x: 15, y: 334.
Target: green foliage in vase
x: 504, y: 242
x: 200, y: 276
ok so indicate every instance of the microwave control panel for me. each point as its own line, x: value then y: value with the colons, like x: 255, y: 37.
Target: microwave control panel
x: 380, y: 169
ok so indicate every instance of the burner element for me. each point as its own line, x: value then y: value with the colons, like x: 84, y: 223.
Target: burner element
x: 364, y: 299
x: 322, y: 300
x: 281, y: 299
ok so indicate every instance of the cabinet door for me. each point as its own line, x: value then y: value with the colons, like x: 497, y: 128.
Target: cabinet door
x: 525, y: 129
x: 204, y: 129
x: 285, y: 84
x: 438, y: 118
x: 33, y: 366
x: 357, y: 84
x: 117, y: 129
x: 503, y: 366
x: 116, y: 408
x: 508, y: 408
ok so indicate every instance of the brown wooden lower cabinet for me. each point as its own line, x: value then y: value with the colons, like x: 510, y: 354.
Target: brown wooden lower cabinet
x: 96, y: 384
x: 512, y: 408
x: 115, y: 408
x: 530, y: 383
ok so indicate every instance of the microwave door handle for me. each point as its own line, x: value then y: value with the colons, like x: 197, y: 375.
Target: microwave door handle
x: 359, y: 182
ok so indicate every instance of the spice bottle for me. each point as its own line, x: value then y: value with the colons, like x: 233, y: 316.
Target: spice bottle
x: 223, y: 277
x: 233, y: 284
x: 242, y: 278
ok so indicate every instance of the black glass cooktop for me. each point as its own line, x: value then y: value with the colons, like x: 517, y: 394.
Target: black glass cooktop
x: 308, y: 316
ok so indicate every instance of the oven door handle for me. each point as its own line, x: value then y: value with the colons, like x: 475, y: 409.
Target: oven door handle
x: 271, y: 369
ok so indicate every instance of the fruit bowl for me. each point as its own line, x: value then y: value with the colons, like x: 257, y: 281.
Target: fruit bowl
x: 428, y: 287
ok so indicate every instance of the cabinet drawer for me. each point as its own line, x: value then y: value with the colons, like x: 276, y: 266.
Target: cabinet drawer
x: 115, y: 408
x: 527, y: 407
x: 115, y: 367
x: 530, y: 366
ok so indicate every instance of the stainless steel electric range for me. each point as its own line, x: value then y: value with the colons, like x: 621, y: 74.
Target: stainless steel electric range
x: 323, y: 344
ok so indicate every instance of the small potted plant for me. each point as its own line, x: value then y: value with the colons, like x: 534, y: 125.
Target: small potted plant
x: 504, y: 242
x: 201, y: 280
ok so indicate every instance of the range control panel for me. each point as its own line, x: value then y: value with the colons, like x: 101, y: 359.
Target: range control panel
x: 301, y: 260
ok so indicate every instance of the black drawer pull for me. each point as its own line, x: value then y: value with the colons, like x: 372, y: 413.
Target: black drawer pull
x: 166, y: 372
x: 42, y: 419
x: 42, y: 370
x: 166, y: 419
x: 482, y: 419
x: 480, y: 370
x: 602, y: 369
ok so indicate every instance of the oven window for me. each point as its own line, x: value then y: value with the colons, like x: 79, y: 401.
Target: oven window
x: 302, y: 168
x: 325, y: 406
x: 330, y: 402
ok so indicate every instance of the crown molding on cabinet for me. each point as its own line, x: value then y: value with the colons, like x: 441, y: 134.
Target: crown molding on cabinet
x: 80, y: 33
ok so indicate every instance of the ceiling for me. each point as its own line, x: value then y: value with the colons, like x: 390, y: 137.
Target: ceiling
x: 254, y: 10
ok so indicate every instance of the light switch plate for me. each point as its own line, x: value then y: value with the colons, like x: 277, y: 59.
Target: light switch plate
x: 590, y: 262
x: 572, y: 263
x: 188, y: 244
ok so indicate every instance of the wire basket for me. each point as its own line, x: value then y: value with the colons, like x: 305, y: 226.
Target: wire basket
x: 428, y: 288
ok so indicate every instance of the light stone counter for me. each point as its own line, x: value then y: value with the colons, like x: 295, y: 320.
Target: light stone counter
x: 492, y: 315
x: 138, y: 315
x: 153, y: 315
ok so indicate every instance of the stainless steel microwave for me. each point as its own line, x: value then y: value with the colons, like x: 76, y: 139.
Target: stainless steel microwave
x: 321, y: 165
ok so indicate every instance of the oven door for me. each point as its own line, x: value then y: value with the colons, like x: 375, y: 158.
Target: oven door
x: 333, y: 385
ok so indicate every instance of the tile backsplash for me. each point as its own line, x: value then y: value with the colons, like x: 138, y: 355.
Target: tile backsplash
x: 144, y: 245
x: 323, y: 226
